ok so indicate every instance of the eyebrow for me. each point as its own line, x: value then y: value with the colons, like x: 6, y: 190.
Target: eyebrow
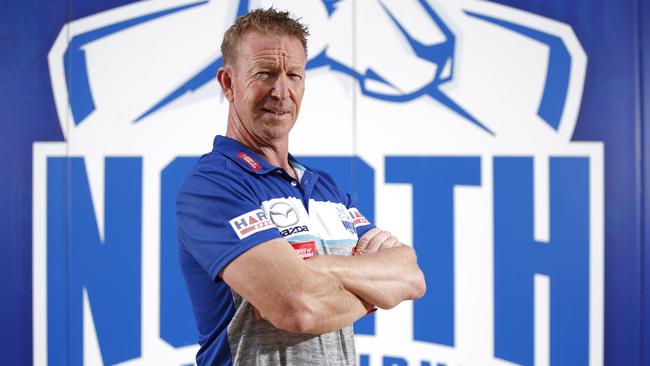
x: 265, y: 64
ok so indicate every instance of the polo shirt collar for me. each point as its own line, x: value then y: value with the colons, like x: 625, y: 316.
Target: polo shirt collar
x: 242, y: 155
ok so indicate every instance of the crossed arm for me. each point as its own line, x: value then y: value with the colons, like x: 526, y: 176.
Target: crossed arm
x: 325, y: 293
x: 384, y: 274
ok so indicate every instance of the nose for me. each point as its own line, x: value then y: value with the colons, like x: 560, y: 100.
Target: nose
x: 281, y: 87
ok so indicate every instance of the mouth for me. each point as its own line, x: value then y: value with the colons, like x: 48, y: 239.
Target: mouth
x: 276, y: 112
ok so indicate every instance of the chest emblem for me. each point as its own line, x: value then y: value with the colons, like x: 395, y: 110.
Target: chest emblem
x: 346, y: 219
x: 283, y: 214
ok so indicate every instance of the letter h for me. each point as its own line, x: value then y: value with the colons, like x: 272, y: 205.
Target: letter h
x: 564, y: 259
x: 241, y: 223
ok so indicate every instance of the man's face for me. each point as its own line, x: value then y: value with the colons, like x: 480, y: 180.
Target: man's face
x: 268, y: 83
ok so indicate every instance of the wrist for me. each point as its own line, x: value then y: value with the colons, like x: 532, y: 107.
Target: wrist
x: 320, y: 264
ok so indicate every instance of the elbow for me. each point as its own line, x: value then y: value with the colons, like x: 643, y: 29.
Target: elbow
x: 300, y: 322
x: 419, y: 285
x: 298, y: 318
x: 308, y: 309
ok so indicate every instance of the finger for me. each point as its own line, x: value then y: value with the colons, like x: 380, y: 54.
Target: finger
x: 363, y: 242
x: 377, y: 240
x: 389, y: 243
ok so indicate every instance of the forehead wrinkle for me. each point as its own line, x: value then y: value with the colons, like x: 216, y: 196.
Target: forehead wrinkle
x: 271, y: 52
x: 275, y: 59
x: 272, y: 46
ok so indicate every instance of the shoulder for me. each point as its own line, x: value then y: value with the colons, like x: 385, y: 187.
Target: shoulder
x: 213, y: 173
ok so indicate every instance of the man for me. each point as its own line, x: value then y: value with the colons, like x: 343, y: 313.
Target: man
x: 266, y: 243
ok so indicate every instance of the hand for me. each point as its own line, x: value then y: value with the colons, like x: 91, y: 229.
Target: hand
x: 376, y: 240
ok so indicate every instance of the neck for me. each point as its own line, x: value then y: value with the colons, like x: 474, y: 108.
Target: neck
x: 273, y: 150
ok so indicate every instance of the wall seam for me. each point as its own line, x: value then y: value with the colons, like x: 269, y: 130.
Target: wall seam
x: 642, y: 176
x: 68, y: 183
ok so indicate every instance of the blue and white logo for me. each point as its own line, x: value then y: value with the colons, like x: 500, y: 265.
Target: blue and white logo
x: 450, y: 121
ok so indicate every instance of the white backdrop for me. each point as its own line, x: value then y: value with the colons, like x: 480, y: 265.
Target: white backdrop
x: 386, y: 78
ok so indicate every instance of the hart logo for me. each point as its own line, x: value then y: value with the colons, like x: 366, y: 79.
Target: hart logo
x: 449, y: 122
x: 250, y: 223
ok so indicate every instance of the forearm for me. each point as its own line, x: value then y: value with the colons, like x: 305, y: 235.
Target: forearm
x: 288, y: 293
x: 383, y: 278
x: 328, y: 305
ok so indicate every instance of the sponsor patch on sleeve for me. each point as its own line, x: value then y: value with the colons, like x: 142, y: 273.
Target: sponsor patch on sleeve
x: 357, y: 218
x: 250, y: 223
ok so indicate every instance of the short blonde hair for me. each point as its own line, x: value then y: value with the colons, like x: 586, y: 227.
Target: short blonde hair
x: 265, y: 21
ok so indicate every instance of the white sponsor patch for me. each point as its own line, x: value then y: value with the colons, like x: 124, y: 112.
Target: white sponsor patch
x: 250, y: 223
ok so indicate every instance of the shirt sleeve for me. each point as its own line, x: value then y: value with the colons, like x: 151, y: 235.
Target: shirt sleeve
x: 361, y: 224
x: 218, y: 218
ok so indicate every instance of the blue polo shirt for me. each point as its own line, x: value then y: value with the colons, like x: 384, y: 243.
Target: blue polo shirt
x: 233, y: 200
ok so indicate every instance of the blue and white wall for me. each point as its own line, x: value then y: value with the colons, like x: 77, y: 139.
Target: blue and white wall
x: 506, y: 140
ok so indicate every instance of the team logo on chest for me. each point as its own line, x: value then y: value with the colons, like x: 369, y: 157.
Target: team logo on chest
x: 346, y: 219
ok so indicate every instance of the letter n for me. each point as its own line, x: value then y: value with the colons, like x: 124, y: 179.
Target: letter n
x: 82, y: 269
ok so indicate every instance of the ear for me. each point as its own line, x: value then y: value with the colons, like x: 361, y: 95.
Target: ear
x: 224, y: 76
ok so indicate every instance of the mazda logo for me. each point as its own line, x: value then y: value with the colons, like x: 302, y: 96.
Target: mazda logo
x: 283, y: 214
